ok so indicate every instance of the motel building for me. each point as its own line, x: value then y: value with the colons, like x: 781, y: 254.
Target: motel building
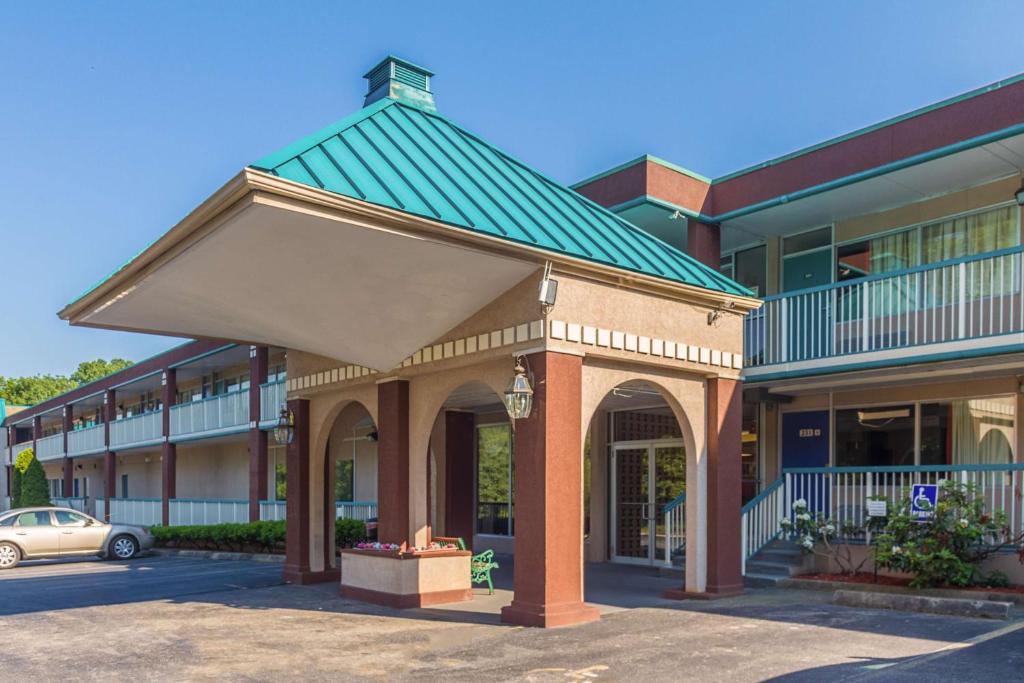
x: 645, y: 368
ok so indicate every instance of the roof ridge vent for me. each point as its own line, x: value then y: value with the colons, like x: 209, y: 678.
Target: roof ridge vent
x: 402, y: 81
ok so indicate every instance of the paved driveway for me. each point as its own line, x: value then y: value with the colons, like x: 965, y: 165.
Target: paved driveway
x: 168, y: 619
x: 42, y: 586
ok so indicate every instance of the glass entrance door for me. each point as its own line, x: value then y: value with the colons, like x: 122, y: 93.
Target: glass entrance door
x: 645, y: 478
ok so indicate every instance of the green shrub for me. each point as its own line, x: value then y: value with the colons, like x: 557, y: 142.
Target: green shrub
x: 948, y: 549
x: 248, y: 537
x: 348, y: 532
x: 34, y: 491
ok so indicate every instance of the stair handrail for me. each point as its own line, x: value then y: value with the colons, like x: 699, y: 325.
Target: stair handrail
x: 760, y: 521
x: 667, y: 516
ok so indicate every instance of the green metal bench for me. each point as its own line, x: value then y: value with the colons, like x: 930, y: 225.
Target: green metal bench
x: 480, y: 565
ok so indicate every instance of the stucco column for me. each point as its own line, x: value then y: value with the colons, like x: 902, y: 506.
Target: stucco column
x: 109, y: 459
x: 257, y: 437
x: 724, y: 426
x: 548, y: 524
x: 704, y: 243
x: 393, y: 462
x: 169, y: 461
x: 296, y: 563
x: 69, y: 464
x: 459, y: 442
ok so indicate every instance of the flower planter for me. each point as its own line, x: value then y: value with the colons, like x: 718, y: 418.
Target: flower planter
x: 406, y: 579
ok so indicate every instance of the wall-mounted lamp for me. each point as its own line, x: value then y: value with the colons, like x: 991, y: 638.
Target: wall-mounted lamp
x: 519, y: 394
x: 548, y: 290
x: 284, y: 431
x: 713, y: 316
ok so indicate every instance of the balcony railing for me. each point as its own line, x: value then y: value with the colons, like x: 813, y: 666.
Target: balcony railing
x: 18, y: 448
x: 970, y: 298
x: 274, y: 510
x: 189, y: 512
x: 217, y: 414
x: 142, y: 511
x: 273, y: 396
x: 50, y: 447
x: 138, y: 430
x: 85, y: 441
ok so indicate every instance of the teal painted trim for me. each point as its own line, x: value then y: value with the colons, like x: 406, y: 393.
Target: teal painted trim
x: 135, y: 500
x: 307, y: 143
x: 209, y: 433
x: 133, y: 445
x: 209, y: 500
x: 661, y: 204
x: 353, y: 503
x: 212, y: 352
x: 898, y: 273
x: 876, y: 126
x: 771, y: 488
x: 1016, y: 467
x: 639, y: 160
x: 679, y: 500
x: 902, y: 361
x: 868, y: 174
x: 136, y: 380
x: 275, y: 382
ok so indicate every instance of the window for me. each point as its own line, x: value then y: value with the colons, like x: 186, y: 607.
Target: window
x: 124, y: 485
x: 34, y: 519
x: 8, y: 520
x: 975, y: 233
x: 748, y: 267
x: 807, y: 241
x: 280, y: 481
x: 749, y: 446
x: 874, y: 437
x: 65, y: 518
x: 883, y: 254
x: 977, y: 431
x: 807, y: 259
x: 344, y: 482
x: 494, y: 488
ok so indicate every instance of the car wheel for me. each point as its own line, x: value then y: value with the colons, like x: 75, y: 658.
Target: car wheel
x: 10, y: 556
x: 123, y: 548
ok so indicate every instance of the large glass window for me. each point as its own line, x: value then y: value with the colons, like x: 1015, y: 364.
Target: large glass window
x: 976, y: 233
x: 749, y: 449
x: 494, y: 489
x: 748, y: 267
x: 875, y: 437
x: 883, y: 254
x: 976, y: 431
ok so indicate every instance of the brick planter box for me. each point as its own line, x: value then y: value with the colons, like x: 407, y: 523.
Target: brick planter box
x: 406, y: 580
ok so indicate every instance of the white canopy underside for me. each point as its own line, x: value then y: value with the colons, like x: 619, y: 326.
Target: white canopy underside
x: 346, y: 290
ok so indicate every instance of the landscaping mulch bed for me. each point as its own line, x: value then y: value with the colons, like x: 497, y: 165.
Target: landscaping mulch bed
x: 882, y: 580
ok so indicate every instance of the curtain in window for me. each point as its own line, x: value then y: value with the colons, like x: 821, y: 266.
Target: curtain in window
x: 980, y: 428
x: 968, y: 235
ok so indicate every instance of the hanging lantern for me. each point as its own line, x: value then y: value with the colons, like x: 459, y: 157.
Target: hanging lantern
x: 284, y: 431
x: 519, y: 394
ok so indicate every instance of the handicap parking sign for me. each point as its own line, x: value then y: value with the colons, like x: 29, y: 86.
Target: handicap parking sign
x: 922, y: 501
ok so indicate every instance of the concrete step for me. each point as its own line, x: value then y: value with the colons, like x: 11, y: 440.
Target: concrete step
x: 771, y: 568
x: 785, y: 555
x: 757, y: 580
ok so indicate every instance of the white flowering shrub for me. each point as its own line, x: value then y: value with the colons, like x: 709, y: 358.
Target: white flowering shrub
x: 816, y: 534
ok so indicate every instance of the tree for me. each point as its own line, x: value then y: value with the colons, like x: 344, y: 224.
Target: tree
x: 28, y: 391
x: 34, y: 491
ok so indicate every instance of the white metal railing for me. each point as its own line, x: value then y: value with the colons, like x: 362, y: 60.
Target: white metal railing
x: 211, y: 414
x: 675, y: 527
x: 272, y: 398
x: 50, y: 447
x: 74, y: 502
x: 761, y: 520
x: 274, y: 510
x: 141, y: 511
x: 968, y: 298
x: 137, y: 429
x: 189, y: 512
x: 87, y: 440
x: 101, y: 509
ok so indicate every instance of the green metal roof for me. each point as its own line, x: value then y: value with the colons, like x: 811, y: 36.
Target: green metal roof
x: 419, y: 162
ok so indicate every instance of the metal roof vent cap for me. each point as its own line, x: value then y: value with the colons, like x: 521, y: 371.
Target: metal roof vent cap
x: 401, y: 81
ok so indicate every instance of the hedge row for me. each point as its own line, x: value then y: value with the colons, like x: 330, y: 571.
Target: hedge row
x: 265, y: 537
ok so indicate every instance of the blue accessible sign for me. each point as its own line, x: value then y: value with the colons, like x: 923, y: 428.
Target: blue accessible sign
x: 922, y: 502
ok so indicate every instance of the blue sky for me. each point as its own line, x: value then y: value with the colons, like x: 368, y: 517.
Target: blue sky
x: 116, y: 119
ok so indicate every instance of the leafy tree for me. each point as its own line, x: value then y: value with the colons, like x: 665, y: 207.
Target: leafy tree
x: 24, y: 459
x: 27, y: 391
x: 34, y: 491
x: 92, y: 370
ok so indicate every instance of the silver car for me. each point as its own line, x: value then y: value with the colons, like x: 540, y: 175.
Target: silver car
x: 33, y: 533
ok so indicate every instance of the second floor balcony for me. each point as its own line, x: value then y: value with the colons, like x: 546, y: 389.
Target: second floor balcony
x: 968, y: 306
x: 223, y: 414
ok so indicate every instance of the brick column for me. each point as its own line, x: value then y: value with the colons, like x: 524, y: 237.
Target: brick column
x: 257, y: 437
x: 296, y: 563
x: 548, y: 574
x: 69, y: 464
x: 724, y: 425
x: 169, y: 461
x: 109, y: 458
x: 703, y: 242
x: 459, y: 445
x: 393, y: 462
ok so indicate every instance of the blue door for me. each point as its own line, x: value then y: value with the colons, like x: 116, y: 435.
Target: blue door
x: 805, y: 441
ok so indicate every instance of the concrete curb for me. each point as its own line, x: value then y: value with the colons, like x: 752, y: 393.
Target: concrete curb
x: 812, y: 585
x: 218, y: 555
x: 982, y: 609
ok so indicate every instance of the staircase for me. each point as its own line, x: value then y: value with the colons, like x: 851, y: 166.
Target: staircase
x: 776, y: 561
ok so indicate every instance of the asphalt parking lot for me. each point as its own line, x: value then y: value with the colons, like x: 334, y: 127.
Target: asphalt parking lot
x: 165, y: 618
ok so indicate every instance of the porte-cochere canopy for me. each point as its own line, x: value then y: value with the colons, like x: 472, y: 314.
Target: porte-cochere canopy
x: 372, y: 238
